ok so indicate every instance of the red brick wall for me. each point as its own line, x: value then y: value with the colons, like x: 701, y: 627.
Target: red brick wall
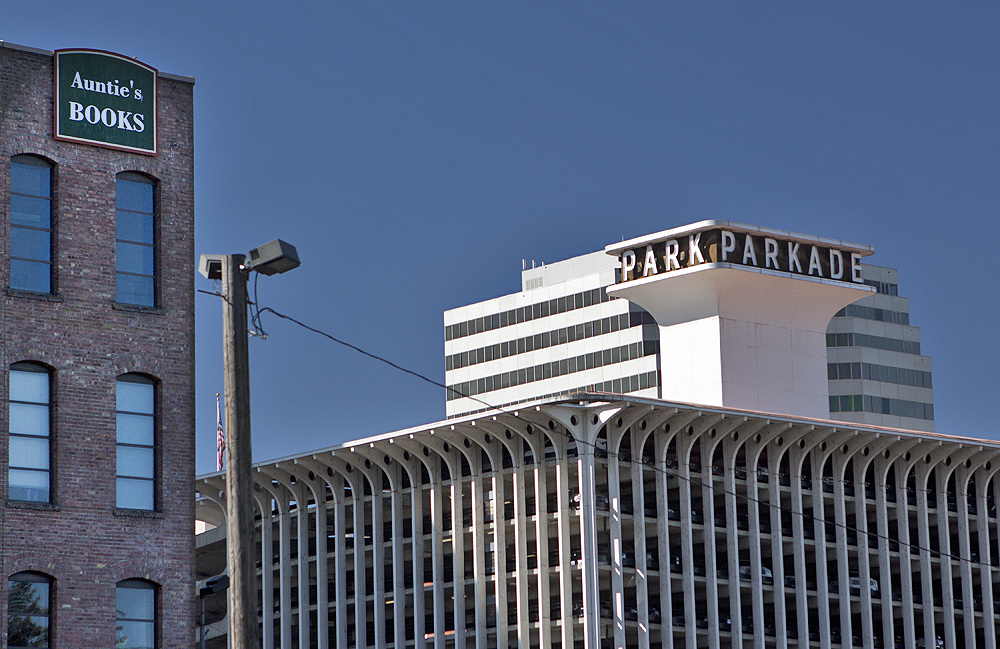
x: 81, y: 540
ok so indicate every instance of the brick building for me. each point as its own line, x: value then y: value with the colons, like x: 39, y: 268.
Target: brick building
x: 97, y: 326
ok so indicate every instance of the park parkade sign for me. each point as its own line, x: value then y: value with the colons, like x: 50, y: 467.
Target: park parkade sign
x: 106, y: 100
x: 762, y: 250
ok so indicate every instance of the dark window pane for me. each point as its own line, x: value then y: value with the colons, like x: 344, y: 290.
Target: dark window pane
x: 35, y: 179
x: 30, y: 275
x: 135, y: 462
x: 132, y: 195
x: 134, y: 493
x: 135, y: 429
x: 133, y: 226
x: 33, y: 212
x: 28, y: 485
x: 131, y: 634
x: 31, y: 244
x: 134, y: 258
x: 29, y: 452
x: 133, y: 289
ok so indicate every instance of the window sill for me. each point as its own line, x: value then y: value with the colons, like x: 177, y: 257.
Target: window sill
x: 33, y: 295
x: 138, y: 513
x: 136, y: 308
x: 27, y: 504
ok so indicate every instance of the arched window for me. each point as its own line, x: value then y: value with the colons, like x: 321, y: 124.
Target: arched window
x: 135, y: 245
x: 30, y: 224
x: 136, y: 435
x: 29, y: 442
x: 135, y: 615
x: 29, y: 605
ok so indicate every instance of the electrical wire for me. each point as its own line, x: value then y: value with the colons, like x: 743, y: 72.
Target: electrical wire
x: 628, y: 460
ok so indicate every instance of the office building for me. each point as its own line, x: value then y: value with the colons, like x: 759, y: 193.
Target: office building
x: 97, y: 319
x: 610, y: 520
x: 877, y: 373
x: 522, y: 347
x: 561, y: 334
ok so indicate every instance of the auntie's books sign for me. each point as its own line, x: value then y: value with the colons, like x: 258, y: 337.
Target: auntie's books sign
x: 106, y: 100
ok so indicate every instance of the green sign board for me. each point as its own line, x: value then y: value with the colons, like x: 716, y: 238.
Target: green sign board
x: 106, y: 100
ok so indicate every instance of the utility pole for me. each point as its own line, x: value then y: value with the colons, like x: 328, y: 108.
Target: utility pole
x: 232, y: 270
x: 239, y: 457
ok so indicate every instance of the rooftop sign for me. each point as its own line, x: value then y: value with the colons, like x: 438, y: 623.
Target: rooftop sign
x: 106, y: 100
x: 721, y: 242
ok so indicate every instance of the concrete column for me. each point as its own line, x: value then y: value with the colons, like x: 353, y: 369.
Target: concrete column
x: 417, y: 529
x: 458, y: 547
x: 500, y: 546
x: 564, y: 511
x: 860, y: 508
x: 322, y: 576
x: 986, y: 551
x: 340, y: 559
x: 964, y: 552
x: 266, y: 569
x: 730, y: 448
x: 944, y: 563
x: 903, y: 515
x: 639, y: 535
x: 478, y: 548
x: 588, y: 529
x: 926, y: 568
x: 520, y: 544
x: 798, y: 543
x: 378, y: 558
x: 687, y: 542
x: 816, y: 461
x: 843, y: 569
x: 360, y: 563
x: 398, y: 558
x: 302, y: 558
x: 777, y: 541
x: 437, y: 553
x: 663, y: 538
x: 614, y: 507
x: 885, y: 566
x: 542, y: 538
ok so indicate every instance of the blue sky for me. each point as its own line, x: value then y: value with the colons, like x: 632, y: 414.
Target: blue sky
x: 414, y: 153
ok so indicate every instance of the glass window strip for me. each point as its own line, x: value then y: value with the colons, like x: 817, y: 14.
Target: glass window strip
x: 636, y: 382
x: 526, y: 313
x: 583, y: 362
x: 880, y: 373
x: 554, y: 337
x: 881, y: 405
x: 873, y: 342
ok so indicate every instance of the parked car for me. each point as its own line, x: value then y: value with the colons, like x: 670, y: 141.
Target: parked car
x: 765, y: 573
x: 855, y: 585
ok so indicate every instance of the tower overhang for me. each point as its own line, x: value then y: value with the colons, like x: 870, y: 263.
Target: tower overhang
x: 742, y: 311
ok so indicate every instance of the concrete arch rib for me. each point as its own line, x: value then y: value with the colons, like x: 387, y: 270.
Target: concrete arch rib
x: 276, y: 497
x: 433, y: 461
x: 450, y: 454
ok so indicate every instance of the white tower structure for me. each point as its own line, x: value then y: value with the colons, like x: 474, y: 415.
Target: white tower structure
x: 742, y: 311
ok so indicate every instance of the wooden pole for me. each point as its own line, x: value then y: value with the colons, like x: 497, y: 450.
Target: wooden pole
x: 239, y: 458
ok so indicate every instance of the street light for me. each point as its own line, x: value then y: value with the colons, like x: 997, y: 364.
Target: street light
x: 269, y: 259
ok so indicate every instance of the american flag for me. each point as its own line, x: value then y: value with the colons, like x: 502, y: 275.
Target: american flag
x: 220, y: 435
